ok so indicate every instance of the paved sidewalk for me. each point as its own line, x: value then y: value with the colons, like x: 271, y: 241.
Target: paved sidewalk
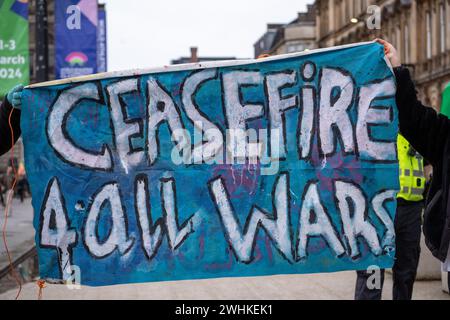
x: 333, y: 286
x: 19, y: 231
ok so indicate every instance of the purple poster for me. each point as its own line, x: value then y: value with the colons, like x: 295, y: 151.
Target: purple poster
x: 75, y: 37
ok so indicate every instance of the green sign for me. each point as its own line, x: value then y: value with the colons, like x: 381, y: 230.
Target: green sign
x: 14, y: 52
x: 445, y: 107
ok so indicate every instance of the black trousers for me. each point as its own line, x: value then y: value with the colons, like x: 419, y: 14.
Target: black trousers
x: 408, y: 230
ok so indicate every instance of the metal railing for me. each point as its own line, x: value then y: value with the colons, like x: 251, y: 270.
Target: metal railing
x: 30, y: 253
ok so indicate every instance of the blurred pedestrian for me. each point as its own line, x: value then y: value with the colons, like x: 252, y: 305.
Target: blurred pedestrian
x: 2, y: 190
x: 10, y: 186
x: 21, y: 182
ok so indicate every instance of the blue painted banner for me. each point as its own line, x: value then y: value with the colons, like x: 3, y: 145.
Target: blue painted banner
x: 277, y: 166
x: 75, y: 38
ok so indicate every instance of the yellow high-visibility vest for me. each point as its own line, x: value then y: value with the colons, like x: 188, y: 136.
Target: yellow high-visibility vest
x: 412, y: 175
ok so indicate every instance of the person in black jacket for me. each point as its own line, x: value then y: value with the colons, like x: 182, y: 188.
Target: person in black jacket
x: 10, y: 107
x: 429, y: 133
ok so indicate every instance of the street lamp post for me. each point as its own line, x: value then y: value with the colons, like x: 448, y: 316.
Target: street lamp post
x: 41, y: 63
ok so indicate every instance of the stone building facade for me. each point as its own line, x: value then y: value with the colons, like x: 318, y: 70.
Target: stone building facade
x: 420, y: 30
x: 296, y: 36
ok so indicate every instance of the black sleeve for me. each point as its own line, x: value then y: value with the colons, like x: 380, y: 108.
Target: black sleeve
x: 425, y: 130
x: 5, y: 131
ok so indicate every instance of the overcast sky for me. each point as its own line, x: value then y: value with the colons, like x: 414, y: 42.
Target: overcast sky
x: 150, y: 33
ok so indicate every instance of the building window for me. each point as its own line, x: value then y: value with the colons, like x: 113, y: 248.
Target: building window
x: 350, y: 9
x: 442, y: 26
x: 342, y: 13
x: 406, y: 46
x: 429, y: 35
x: 296, y: 47
x: 339, y: 15
x: 356, y: 8
x: 346, y: 12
